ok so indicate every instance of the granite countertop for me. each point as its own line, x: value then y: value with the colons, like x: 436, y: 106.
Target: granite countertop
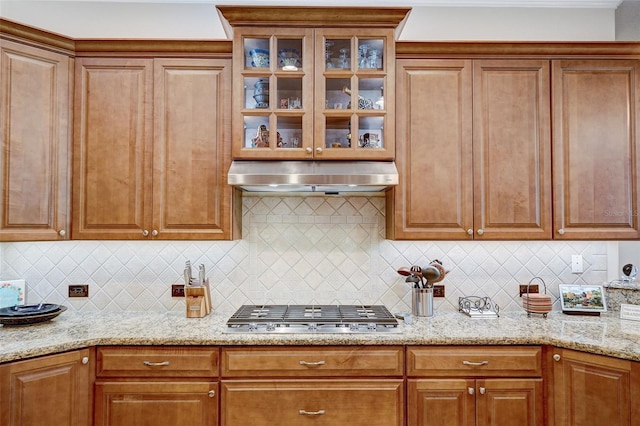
x: 606, y: 335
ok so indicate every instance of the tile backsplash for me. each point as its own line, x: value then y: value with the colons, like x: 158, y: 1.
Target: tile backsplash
x: 315, y: 249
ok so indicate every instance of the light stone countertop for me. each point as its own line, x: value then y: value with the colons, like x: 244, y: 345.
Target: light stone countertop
x: 606, y: 335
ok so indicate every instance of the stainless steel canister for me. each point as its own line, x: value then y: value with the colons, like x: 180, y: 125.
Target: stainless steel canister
x: 422, y: 302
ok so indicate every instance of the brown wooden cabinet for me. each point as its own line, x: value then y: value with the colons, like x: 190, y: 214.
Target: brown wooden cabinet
x: 151, y: 385
x: 467, y: 386
x: 593, y: 389
x: 361, y: 386
x: 334, y: 100
x: 473, y: 150
x: 596, y: 149
x: 35, y: 110
x: 151, y: 149
x: 50, y: 390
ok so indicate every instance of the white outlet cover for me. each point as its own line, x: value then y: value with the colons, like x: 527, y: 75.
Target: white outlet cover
x: 576, y: 264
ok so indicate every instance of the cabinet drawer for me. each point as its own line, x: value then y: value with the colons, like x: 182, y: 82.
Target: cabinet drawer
x: 474, y: 361
x: 155, y: 361
x: 312, y: 402
x: 314, y: 362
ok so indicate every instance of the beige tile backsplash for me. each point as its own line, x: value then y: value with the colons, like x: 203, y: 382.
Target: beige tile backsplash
x: 317, y: 249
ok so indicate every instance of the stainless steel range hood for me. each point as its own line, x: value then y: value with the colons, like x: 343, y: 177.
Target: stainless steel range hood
x: 329, y: 177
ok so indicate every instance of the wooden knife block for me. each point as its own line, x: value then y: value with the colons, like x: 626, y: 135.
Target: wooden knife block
x: 198, y: 300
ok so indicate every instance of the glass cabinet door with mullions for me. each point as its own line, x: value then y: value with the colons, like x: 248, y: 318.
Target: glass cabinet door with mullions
x: 274, y: 90
x: 354, y: 81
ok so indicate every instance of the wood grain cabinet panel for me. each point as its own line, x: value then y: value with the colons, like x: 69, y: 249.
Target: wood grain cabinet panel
x: 473, y: 385
x: 596, y: 151
x: 156, y: 403
x: 473, y: 150
x: 35, y: 143
x: 312, y: 402
x: 50, y: 390
x: 594, y: 390
x: 152, y: 149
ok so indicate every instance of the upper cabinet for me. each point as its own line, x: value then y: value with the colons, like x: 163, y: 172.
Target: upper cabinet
x: 313, y: 83
x: 596, y: 153
x: 151, y: 148
x: 35, y: 142
x: 473, y: 150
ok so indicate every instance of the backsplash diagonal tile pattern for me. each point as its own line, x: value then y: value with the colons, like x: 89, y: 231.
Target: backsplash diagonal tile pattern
x: 316, y: 249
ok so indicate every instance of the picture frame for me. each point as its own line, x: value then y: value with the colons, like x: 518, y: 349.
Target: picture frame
x: 584, y: 299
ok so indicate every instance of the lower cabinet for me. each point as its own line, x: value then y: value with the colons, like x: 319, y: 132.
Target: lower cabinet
x: 45, y: 391
x: 475, y: 385
x: 159, y: 403
x: 327, y: 402
x: 319, y: 386
x: 156, y: 386
x: 594, y: 390
x: 468, y: 402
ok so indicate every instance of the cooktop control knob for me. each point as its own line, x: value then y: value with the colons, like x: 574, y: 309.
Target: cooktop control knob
x: 372, y: 326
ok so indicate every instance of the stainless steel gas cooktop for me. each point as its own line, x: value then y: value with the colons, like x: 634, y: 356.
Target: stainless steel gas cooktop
x: 312, y: 319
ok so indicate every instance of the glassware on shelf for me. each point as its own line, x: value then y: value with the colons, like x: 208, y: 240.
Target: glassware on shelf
x: 363, y: 52
x: 259, y: 58
x: 328, y: 44
x: 290, y: 59
x: 261, y: 93
x: 375, y: 59
x: 344, y: 58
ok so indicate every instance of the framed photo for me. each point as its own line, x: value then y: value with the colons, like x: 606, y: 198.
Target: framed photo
x: 587, y: 299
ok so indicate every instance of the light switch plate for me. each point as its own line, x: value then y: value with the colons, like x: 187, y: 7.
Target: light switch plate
x: 576, y: 264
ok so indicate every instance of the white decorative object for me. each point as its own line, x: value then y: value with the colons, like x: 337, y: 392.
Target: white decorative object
x: 12, y: 293
x: 630, y: 312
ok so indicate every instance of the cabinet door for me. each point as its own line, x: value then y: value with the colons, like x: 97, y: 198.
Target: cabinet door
x: 35, y: 140
x: 591, y: 389
x: 507, y: 402
x: 191, y: 151
x: 512, y: 149
x: 52, y: 390
x: 112, y: 148
x: 441, y: 402
x: 312, y: 402
x: 156, y: 403
x: 596, y: 149
x: 434, y: 199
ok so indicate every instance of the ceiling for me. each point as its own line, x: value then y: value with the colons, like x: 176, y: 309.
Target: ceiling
x: 611, y: 4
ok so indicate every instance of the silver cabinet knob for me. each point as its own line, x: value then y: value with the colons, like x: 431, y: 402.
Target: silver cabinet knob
x: 561, y: 231
x: 319, y: 150
x: 145, y: 233
x: 557, y: 357
x: 470, y: 231
x: 480, y: 231
x: 309, y: 150
x: 482, y: 390
x: 154, y: 233
x: 85, y: 360
x: 212, y: 393
x: 62, y: 232
x: 471, y: 391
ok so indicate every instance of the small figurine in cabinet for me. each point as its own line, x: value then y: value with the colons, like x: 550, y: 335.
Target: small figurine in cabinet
x: 262, y: 137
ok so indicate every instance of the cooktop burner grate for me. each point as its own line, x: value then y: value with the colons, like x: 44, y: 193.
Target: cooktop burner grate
x: 312, y: 318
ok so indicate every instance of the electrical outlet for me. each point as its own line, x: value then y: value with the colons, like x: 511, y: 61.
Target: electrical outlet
x: 533, y: 288
x: 177, y: 290
x: 438, y: 291
x: 79, y: 290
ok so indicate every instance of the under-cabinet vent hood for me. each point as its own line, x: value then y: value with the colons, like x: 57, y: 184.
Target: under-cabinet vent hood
x: 329, y: 177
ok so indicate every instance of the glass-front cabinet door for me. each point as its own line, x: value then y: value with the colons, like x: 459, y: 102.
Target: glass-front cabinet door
x: 305, y: 93
x: 273, y: 93
x: 354, y: 79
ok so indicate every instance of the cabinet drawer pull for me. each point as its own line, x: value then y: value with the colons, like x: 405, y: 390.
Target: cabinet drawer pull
x: 475, y: 364
x: 311, y: 413
x: 155, y: 364
x: 311, y: 364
